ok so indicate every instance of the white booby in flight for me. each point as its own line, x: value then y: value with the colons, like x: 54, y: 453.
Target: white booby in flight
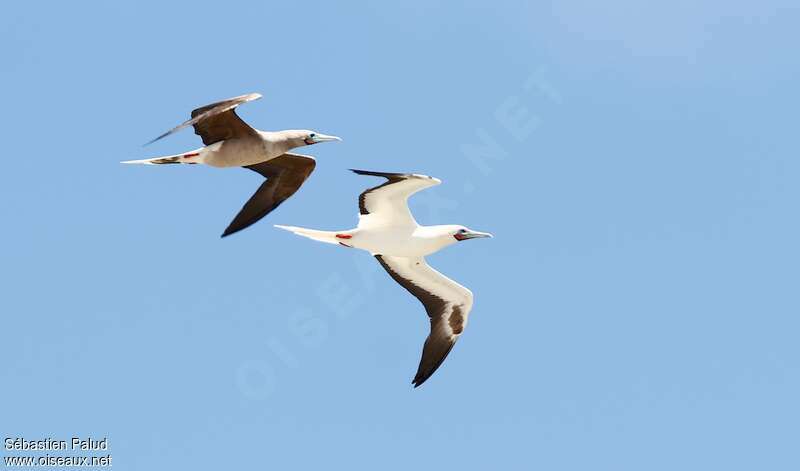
x: 230, y: 142
x: 389, y: 232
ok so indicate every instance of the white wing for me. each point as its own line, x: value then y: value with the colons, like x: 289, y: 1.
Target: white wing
x: 448, y: 305
x: 387, y: 204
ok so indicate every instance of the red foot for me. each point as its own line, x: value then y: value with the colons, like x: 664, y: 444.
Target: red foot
x: 195, y: 154
x: 344, y: 236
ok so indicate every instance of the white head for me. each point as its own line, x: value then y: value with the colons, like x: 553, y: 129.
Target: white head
x: 450, y: 234
x: 305, y: 137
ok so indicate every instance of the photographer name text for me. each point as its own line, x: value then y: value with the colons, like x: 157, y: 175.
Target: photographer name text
x: 53, y: 444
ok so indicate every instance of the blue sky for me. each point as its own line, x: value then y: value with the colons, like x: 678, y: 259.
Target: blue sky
x: 636, y: 161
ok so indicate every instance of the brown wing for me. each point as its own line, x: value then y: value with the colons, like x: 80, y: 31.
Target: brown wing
x: 437, y: 347
x: 447, y: 303
x: 217, y: 121
x: 285, y: 175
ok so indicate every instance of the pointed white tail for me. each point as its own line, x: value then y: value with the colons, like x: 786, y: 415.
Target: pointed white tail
x: 193, y: 157
x: 322, y: 236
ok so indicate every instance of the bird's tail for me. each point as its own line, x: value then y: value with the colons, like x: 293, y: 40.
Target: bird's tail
x: 322, y: 236
x: 193, y: 157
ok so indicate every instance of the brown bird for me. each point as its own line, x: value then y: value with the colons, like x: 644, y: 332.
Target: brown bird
x: 230, y: 142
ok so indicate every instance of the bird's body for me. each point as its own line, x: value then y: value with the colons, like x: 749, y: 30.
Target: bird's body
x: 251, y: 150
x: 244, y: 151
x: 399, y: 241
x: 230, y: 142
x: 388, y: 231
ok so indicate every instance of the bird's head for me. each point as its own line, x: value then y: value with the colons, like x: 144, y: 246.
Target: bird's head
x: 305, y: 137
x: 460, y: 233
x: 313, y: 137
x: 465, y: 234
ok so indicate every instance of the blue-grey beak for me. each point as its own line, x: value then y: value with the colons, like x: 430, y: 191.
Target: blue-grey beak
x: 324, y: 138
x: 472, y: 235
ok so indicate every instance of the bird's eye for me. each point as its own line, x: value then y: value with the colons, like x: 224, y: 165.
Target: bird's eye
x: 312, y: 135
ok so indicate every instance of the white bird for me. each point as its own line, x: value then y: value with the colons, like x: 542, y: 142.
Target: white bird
x: 388, y: 231
x: 230, y: 142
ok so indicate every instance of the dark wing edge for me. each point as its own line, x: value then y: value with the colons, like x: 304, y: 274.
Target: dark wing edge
x: 391, y: 179
x: 285, y: 175
x: 434, y: 352
x: 439, y: 342
x: 381, y: 174
x: 212, y: 110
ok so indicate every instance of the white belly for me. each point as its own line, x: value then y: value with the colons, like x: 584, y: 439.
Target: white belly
x: 398, y: 243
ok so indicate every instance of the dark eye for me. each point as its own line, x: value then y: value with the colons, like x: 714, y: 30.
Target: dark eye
x: 312, y: 135
x: 461, y: 231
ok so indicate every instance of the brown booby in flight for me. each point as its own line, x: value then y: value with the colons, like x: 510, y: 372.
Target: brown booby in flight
x: 389, y: 232
x: 230, y: 142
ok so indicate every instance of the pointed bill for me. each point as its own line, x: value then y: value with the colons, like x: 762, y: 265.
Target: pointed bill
x: 326, y: 138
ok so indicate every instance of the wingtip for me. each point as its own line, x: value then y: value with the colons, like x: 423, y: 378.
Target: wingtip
x: 376, y: 174
x: 154, y: 140
x: 246, y: 97
x: 419, y: 379
x: 391, y: 175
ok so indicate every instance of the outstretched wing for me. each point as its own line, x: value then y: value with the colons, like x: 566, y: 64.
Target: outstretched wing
x: 285, y: 175
x: 447, y: 303
x: 217, y: 121
x: 387, y: 204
